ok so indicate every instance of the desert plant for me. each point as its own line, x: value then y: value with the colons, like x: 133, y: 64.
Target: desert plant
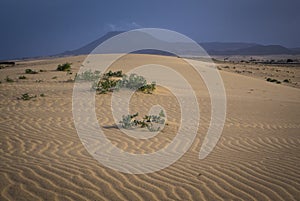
x: 64, y: 67
x: 42, y: 95
x: 29, y: 71
x: 26, y: 96
x: 54, y: 77
x: 114, y: 74
x: 22, y: 77
x: 88, y: 75
x: 106, y: 85
x: 130, y: 121
x: 286, y: 81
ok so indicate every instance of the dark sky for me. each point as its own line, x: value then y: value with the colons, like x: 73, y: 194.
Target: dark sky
x: 45, y: 27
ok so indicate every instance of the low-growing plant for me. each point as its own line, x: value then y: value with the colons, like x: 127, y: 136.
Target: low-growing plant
x: 148, y: 121
x: 114, y: 74
x: 88, y: 75
x: 136, y: 82
x: 286, y: 81
x: 26, y: 96
x: 22, y: 77
x: 106, y: 85
x: 42, y: 95
x: 54, y: 77
x: 7, y: 79
x: 273, y: 80
x: 64, y: 67
x: 30, y: 71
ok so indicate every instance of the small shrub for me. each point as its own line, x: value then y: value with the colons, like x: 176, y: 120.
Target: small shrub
x: 22, y: 77
x: 26, y: 96
x: 114, y: 74
x: 128, y: 121
x: 107, y: 84
x: 42, y: 95
x: 286, y: 81
x: 9, y: 79
x: 148, y: 121
x: 271, y: 80
x: 54, y: 77
x: 88, y: 75
x: 29, y: 71
x: 64, y: 67
x: 41, y: 70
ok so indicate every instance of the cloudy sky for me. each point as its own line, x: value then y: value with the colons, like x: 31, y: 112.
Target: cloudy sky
x: 45, y: 27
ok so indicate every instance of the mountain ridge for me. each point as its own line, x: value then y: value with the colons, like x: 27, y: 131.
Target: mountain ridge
x: 212, y: 48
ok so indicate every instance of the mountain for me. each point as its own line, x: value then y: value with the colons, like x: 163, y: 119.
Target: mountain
x: 212, y: 48
x: 255, y: 49
x: 91, y: 46
x: 218, y: 46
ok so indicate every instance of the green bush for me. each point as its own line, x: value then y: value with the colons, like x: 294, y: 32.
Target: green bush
x: 114, y: 74
x: 88, y: 75
x: 133, y: 82
x: 26, y: 96
x: 22, y: 77
x: 148, y: 121
x: 273, y: 80
x: 106, y: 85
x: 64, y: 67
x: 29, y: 71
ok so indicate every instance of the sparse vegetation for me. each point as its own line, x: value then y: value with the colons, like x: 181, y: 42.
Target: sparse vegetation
x: 88, y: 75
x: 114, y: 74
x: 64, y: 67
x: 54, y: 77
x: 42, y: 95
x: 286, y: 81
x: 30, y: 71
x: 273, y: 80
x: 26, y: 96
x: 22, y: 77
x: 148, y: 121
x: 133, y: 82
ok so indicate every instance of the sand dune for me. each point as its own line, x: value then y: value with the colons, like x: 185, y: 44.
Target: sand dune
x: 42, y: 157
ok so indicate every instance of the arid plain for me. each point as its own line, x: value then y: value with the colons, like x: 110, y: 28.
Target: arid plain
x: 256, y: 158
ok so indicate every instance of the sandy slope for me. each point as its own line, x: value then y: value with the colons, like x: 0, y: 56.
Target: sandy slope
x: 257, y: 157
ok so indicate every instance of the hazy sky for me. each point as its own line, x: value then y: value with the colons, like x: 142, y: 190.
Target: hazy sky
x: 45, y: 27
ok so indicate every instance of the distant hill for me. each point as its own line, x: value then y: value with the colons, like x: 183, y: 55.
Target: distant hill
x: 213, y: 48
x: 91, y: 46
x: 254, y: 50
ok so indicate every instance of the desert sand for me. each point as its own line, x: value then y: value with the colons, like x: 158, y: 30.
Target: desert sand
x: 42, y: 157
